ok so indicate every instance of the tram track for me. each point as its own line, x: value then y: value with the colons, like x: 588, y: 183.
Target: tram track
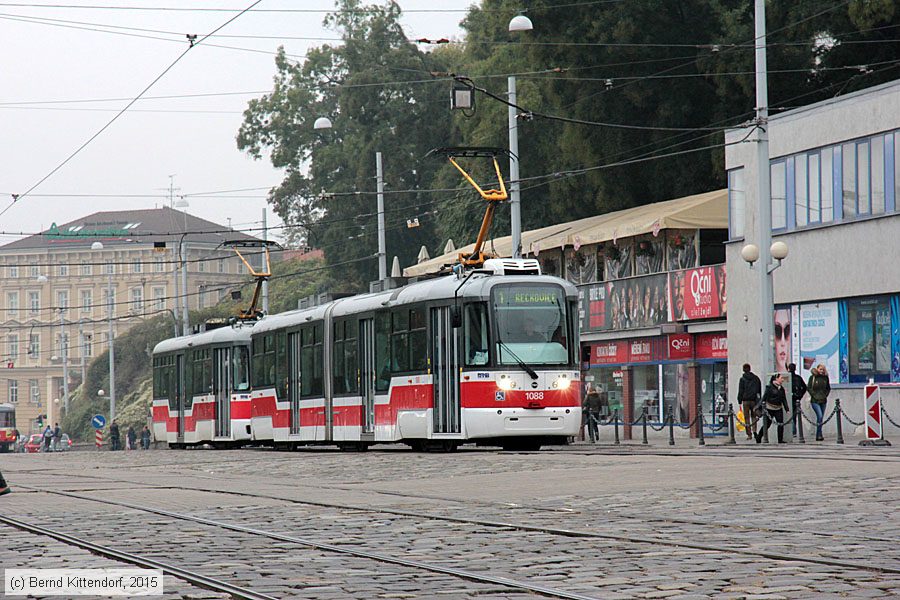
x: 562, y: 532
x: 131, y: 558
x: 492, y: 504
x: 506, y: 582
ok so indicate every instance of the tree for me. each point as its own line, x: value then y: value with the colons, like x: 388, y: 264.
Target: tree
x: 375, y: 88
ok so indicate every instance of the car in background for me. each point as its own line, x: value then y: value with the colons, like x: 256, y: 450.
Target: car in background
x: 34, y: 443
x: 65, y: 443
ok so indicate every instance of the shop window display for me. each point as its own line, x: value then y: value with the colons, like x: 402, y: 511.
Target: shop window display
x: 646, y: 391
x: 869, y: 333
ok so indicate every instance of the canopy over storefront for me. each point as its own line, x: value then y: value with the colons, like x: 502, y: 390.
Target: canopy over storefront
x: 701, y: 211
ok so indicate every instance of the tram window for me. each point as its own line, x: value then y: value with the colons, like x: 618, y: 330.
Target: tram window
x: 351, y: 365
x: 382, y: 352
x: 257, y: 363
x: 476, y: 335
x: 282, y: 373
x: 344, y: 358
x: 241, y: 369
x: 311, y: 372
x: 418, y: 341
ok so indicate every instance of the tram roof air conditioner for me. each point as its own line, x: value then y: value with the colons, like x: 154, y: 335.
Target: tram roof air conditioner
x: 511, y: 266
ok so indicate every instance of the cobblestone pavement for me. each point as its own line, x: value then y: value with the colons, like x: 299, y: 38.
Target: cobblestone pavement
x: 767, y: 519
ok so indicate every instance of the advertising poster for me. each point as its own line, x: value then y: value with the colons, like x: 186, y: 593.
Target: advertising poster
x: 865, y: 341
x: 895, y: 339
x: 698, y: 294
x: 637, y: 302
x: 844, y: 320
x: 819, y: 338
x: 592, y: 307
x: 795, y: 335
x: 782, y: 336
x: 882, y: 343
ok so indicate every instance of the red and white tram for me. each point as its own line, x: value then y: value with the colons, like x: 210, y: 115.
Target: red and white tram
x: 489, y: 358
x: 201, y: 388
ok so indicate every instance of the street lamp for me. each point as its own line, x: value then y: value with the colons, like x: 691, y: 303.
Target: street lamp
x: 112, y: 346
x: 325, y: 123
x: 517, y: 23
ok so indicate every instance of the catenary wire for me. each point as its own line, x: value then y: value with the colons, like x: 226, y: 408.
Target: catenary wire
x: 127, y: 106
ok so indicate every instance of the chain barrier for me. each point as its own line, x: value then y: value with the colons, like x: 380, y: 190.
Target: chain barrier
x: 688, y: 425
x: 662, y: 425
x: 851, y: 421
x: 808, y: 420
x: 888, y: 417
x: 718, y: 427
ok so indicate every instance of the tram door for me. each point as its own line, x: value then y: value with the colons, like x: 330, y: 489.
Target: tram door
x: 179, y: 395
x: 367, y: 373
x: 445, y: 364
x: 293, y: 391
x: 222, y: 358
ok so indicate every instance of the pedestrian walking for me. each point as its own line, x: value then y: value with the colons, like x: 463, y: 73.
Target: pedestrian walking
x: 798, y: 390
x: 114, y: 435
x: 591, y: 407
x: 819, y: 387
x: 48, y: 438
x: 145, y: 438
x: 749, y: 390
x: 774, y: 402
x: 57, y: 436
x: 131, y: 438
x: 4, y: 487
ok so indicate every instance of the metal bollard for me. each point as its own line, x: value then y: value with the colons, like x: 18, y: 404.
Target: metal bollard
x: 799, y: 415
x: 730, y: 425
x: 671, y: 418
x: 838, y: 413
x: 644, y: 425
x: 616, y: 424
x: 700, y: 422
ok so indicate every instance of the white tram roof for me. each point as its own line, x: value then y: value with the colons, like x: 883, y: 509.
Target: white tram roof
x: 478, y: 286
x: 222, y: 335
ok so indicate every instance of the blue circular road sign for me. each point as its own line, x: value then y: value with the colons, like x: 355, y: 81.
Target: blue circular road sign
x: 98, y: 421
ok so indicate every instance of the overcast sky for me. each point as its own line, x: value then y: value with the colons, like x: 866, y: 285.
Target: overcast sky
x: 63, y: 80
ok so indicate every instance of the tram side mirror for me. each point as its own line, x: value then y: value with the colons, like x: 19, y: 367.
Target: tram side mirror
x: 455, y: 317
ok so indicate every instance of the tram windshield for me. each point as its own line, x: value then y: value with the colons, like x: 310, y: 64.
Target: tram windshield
x: 7, y: 418
x: 531, y: 325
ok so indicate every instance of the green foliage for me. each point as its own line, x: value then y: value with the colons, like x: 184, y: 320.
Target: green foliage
x: 654, y: 63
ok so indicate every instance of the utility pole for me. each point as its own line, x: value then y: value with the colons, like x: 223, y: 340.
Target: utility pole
x: 171, y: 189
x: 186, y: 326
x: 265, y: 283
x: 515, y: 206
x: 382, y: 252
x: 766, y: 295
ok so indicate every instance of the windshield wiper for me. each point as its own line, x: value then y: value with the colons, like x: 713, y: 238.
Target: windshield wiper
x: 518, y: 360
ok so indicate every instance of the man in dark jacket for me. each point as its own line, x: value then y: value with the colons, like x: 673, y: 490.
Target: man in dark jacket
x: 114, y: 436
x: 774, y: 402
x: 591, y: 407
x: 798, y: 390
x: 749, y: 389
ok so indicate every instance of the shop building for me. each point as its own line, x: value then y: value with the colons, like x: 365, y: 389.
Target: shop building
x: 652, y: 303
x: 57, y: 294
x: 835, y: 193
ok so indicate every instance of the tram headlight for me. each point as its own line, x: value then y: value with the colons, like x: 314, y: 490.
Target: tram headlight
x: 506, y: 384
x: 562, y: 383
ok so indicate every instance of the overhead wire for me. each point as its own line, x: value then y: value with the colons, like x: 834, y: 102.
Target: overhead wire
x: 193, y: 43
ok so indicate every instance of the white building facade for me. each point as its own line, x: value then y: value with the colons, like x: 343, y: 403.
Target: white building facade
x: 835, y: 193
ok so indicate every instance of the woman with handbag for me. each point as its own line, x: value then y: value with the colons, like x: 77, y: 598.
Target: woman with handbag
x: 819, y: 387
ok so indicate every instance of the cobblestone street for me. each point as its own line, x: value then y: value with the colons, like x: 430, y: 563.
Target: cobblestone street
x: 575, y: 522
